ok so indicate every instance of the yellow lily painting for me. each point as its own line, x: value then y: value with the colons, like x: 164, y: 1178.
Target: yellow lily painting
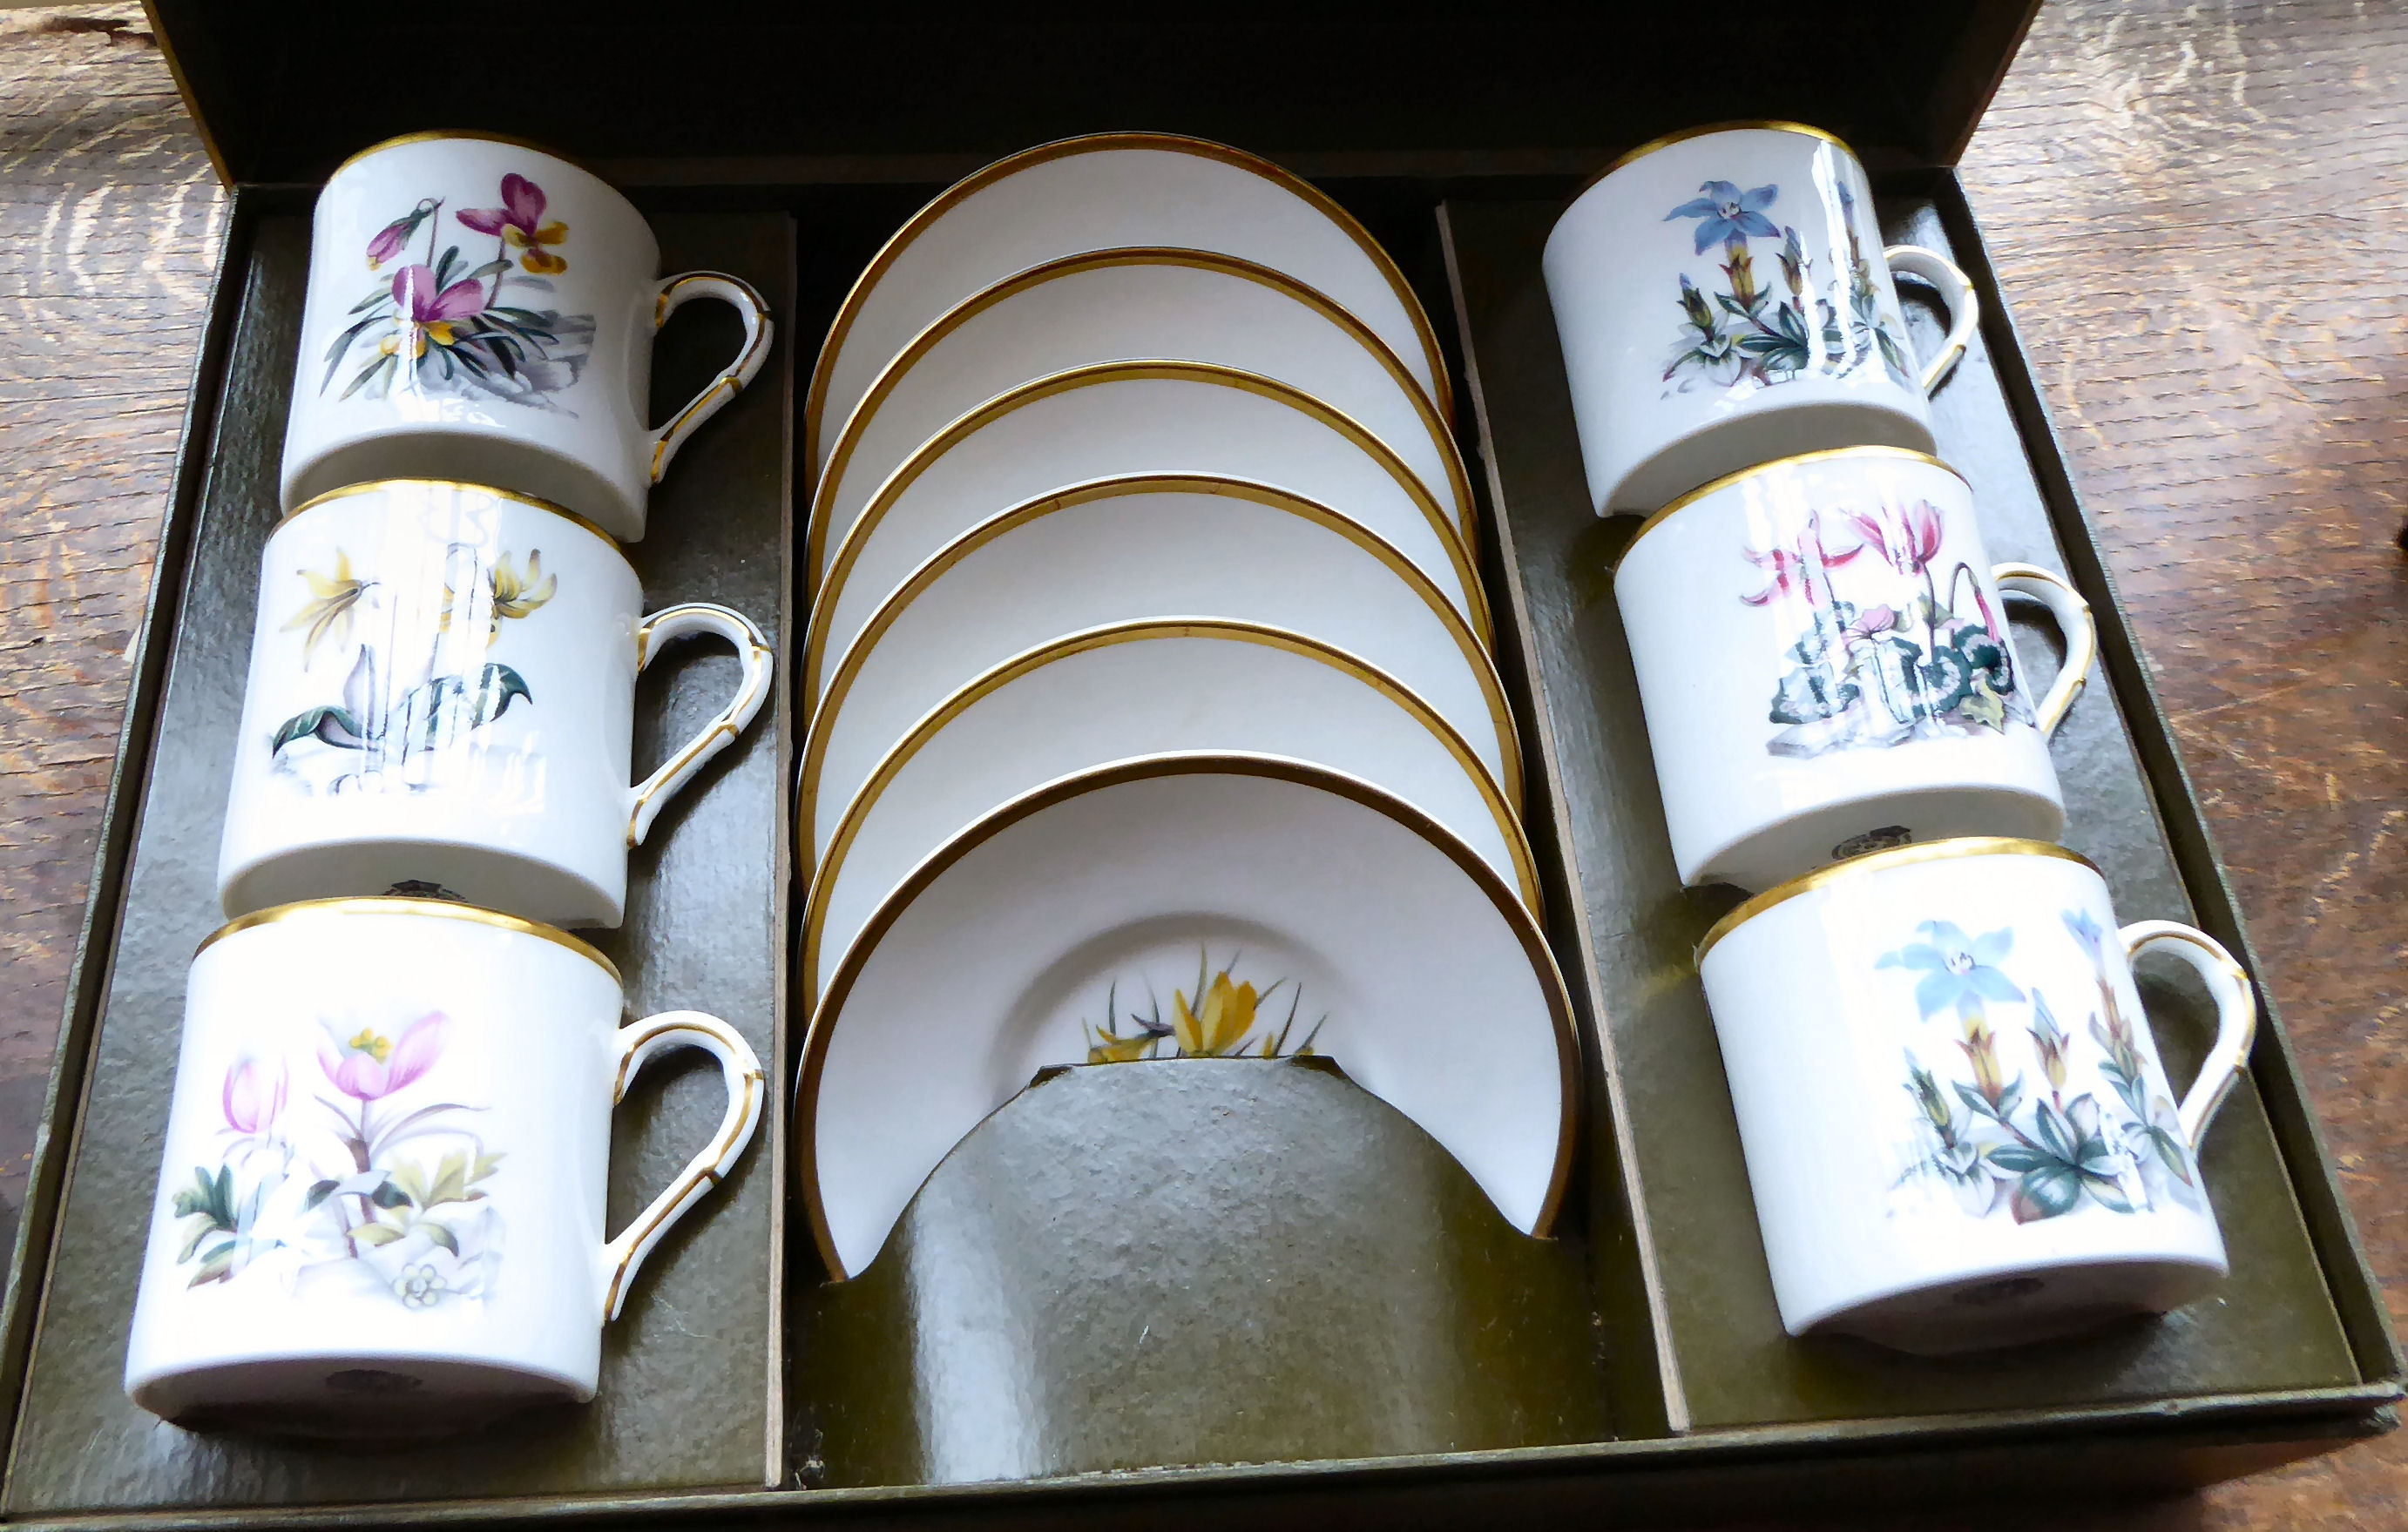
x: 327, y: 614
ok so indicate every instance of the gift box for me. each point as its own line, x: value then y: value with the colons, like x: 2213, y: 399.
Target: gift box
x: 1338, y: 1325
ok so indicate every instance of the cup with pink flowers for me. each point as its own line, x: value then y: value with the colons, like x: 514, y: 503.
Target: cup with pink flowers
x: 1826, y: 666
x: 481, y: 310
x: 380, y: 1209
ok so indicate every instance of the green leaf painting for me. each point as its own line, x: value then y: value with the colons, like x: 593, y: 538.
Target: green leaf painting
x: 1756, y: 332
x: 355, y: 1179
x: 2016, y: 1133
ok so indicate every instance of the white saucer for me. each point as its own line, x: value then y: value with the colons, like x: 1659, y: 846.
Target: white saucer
x: 1099, y: 193
x: 1128, y: 418
x: 1153, y: 547
x: 1119, y: 305
x: 1359, y: 924
x: 1139, y: 689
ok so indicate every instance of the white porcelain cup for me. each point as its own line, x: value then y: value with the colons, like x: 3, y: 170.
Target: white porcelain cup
x: 1826, y: 669
x: 484, y: 310
x: 442, y: 699
x: 1957, y: 1130
x: 382, y: 1191
x: 1724, y: 298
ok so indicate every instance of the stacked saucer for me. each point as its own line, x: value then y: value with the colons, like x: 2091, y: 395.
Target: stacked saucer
x: 1152, y: 715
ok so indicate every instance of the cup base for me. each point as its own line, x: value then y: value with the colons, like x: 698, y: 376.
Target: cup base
x: 351, y: 1398
x: 479, y: 875
x: 1765, y: 434
x: 1878, y: 821
x: 469, y: 457
x: 2018, y: 1305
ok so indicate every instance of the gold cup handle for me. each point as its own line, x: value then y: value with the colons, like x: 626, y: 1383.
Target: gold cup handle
x: 636, y: 1044
x: 653, y: 635
x: 2236, y: 1013
x: 675, y: 294
x: 1955, y: 295
x: 2064, y: 603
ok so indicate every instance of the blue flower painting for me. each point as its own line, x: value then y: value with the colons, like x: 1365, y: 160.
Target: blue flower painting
x: 1724, y: 213
x: 1824, y: 315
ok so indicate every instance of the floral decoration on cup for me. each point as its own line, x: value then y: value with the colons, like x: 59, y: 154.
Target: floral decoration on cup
x: 440, y: 325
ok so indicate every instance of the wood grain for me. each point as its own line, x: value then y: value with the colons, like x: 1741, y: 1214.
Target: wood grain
x: 2196, y: 208
x: 2198, y: 214
x: 109, y: 227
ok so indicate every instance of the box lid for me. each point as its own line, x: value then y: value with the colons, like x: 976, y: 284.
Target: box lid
x: 284, y: 89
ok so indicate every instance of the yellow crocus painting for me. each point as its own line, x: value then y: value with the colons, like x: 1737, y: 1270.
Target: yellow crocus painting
x: 1217, y: 1017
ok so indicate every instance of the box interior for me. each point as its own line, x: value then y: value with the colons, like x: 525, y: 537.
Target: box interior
x: 1641, y: 1341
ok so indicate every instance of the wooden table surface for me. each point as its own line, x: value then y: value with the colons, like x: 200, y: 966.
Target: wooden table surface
x: 2197, y: 210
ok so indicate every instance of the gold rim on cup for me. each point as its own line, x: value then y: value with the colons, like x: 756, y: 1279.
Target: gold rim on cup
x: 1632, y: 156
x: 1897, y: 856
x: 1828, y: 454
x: 474, y: 136
x: 400, y: 904
x: 456, y: 485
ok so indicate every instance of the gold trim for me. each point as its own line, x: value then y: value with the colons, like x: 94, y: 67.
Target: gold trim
x: 890, y: 377
x: 825, y: 868
x: 2190, y: 936
x: 456, y: 486
x: 1631, y: 156
x: 826, y: 590
x: 1871, y: 861
x: 395, y: 903
x: 473, y: 135
x: 815, y: 398
x: 1795, y: 460
x: 192, y: 105
x: 758, y: 659
x: 703, y: 1173
x: 670, y: 436
x: 2221, y: 957
x: 1484, y: 669
x: 1525, y: 927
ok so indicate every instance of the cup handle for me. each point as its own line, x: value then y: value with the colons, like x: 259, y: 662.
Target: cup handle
x: 636, y: 1044
x: 653, y: 635
x: 2064, y: 603
x: 675, y: 294
x: 1956, y: 295
x: 2236, y: 1013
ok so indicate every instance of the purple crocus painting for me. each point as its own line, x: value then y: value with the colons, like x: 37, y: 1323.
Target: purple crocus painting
x: 352, y: 1170
x: 450, y: 324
